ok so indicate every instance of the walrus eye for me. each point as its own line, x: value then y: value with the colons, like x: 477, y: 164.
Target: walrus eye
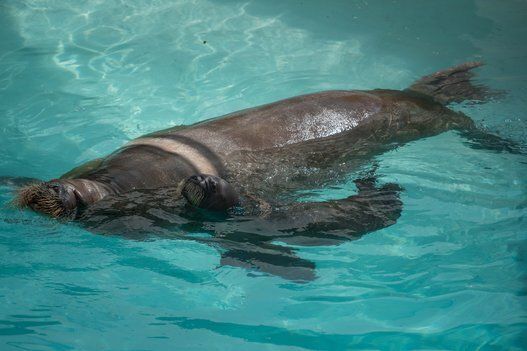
x: 56, y: 188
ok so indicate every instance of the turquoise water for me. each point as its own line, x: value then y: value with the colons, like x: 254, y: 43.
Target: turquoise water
x: 78, y: 80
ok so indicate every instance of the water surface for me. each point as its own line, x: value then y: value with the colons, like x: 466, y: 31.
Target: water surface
x: 78, y: 80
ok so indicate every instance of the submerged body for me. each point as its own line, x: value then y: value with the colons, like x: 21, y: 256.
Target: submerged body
x: 269, y: 152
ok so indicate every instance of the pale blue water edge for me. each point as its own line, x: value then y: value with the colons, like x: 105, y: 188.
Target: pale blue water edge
x: 77, y: 80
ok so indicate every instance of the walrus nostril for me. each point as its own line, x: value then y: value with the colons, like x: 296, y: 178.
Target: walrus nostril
x: 196, y: 179
x: 213, y: 185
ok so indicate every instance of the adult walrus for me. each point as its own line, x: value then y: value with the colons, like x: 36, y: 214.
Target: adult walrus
x: 272, y: 150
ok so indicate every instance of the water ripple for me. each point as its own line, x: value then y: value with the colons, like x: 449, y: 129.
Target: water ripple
x: 79, y: 79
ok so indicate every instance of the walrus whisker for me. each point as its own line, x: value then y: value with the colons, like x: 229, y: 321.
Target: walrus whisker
x: 194, y: 193
x: 39, y: 197
x: 25, y: 195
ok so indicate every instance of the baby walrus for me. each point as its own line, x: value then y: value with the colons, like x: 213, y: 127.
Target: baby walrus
x: 299, y: 143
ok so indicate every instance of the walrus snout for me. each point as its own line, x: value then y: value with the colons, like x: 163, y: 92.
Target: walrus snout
x: 54, y: 198
x: 209, y: 192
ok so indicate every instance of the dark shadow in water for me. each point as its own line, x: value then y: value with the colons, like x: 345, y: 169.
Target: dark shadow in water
x: 246, y: 237
x: 21, y: 325
x: 451, y: 339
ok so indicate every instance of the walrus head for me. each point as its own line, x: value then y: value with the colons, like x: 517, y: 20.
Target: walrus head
x: 61, y: 198
x: 209, y: 192
x: 55, y: 198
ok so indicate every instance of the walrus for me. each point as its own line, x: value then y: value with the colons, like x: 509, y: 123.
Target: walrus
x: 252, y: 162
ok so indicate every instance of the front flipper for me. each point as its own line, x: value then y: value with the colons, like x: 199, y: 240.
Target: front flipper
x: 313, y: 223
x: 268, y: 258
x: 336, y: 221
x: 209, y: 192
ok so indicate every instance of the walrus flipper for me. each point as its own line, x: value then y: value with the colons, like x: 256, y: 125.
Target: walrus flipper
x: 336, y: 221
x: 268, y: 258
x: 453, y: 85
x: 480, y: 139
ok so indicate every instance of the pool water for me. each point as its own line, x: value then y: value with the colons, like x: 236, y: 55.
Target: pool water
x: 79, y: 79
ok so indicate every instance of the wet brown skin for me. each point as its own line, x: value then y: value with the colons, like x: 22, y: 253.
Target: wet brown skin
x: 309, y: 131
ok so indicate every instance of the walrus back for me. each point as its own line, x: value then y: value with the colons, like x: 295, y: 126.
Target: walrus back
x: 453, y: 84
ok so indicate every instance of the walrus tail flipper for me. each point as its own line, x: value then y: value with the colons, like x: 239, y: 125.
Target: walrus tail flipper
x: 453, y: 85
x: 272, y: 259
